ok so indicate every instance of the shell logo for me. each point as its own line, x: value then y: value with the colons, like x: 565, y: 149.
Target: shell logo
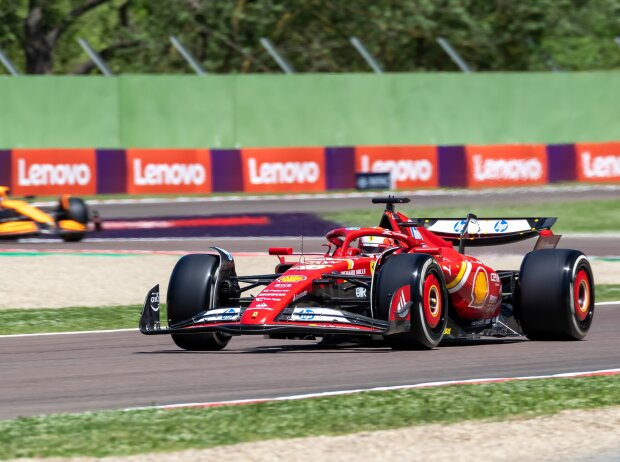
x: 292, y: 278
x: 480, y: 290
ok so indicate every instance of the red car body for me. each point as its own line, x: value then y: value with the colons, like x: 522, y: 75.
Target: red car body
x: 416, y: 293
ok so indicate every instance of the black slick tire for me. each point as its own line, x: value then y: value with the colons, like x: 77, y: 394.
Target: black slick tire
x: 189, y: 292
x: 77, y: 210
x: 413, y: 285
x: 555, y: 295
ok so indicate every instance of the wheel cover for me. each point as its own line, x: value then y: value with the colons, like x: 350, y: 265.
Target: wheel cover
x: 432, y: 301
x: 581, y: 294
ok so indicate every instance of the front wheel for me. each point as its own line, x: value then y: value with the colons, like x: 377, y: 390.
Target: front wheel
x: 412, y: 286
x: 555, y: 296
x: 189, y: 292
x: 73, y: 208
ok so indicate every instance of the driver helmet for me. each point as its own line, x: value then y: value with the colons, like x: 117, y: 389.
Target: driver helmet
x: 375, y: 244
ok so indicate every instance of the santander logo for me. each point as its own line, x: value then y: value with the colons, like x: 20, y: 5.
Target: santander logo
x: 600, y: 166
x: 401, y: 170
x: 46, y: 174
x: 157, y: 174
x: 507, y: 169
x: 307, y: 172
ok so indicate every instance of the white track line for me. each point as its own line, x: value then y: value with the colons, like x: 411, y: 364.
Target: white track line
x: 347, y: 195
x: 48, y: 334
x: 390, y: 388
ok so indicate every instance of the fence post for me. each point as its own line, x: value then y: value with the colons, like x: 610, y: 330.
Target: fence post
x: 4, y: 59
x: 284, y: 65
x: 362, y: 50
x: 187, y: 55
x: 98, y: 60
x: 445, y: 45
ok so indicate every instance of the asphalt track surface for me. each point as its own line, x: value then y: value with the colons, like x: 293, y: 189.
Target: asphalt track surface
x: 75, y: 373
x: 301, y: 203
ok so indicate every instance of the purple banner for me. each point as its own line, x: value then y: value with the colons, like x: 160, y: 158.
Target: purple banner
x: 452, y: 166
x: 340, y: 168
x: 111, y: 171
x: 5, y: 168
x: 226, y: 170
x: 562, y: 162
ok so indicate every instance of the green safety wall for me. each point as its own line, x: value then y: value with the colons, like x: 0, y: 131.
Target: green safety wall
x: 308, y: 110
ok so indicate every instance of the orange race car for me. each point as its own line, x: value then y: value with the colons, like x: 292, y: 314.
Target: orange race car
x: 69, y: 220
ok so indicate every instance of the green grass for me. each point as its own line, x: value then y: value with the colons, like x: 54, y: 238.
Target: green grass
x: 134, y: 432
x: 594, y: 216
x: 32, y: 321
x: 607, y: 292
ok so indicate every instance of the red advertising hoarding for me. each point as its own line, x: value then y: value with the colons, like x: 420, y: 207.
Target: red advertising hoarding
x: 283, y: 169
x: 506, y: 165
x: 168, y: 171
x: 598, y: 162
x: 53, y: 171
x: 409, y: 166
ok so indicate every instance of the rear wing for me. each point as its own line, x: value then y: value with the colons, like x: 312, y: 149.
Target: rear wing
x: 477, y: 232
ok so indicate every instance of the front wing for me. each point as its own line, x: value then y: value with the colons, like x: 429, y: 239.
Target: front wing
x: 293, y: 321
x: 299, y: 321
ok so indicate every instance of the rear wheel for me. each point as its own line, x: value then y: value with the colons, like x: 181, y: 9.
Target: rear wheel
x: 412, y: 286
x: 555, y: 297
x: 74, y: 209
x: 189, y: 292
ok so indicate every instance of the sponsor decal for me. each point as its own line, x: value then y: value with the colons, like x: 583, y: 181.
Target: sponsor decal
x: 283, y: 169
x: 500, y: 226
x: 447, y: 331
x: 291, y: 278
x: 303, y: 266
x: 459, y: 280
x: 306, y: 314
x: 480, y: 288
x: 222, y: 314
x: 399, y: 305
x: 506, y: 165
x: 459, y: 226
x: 361, y: 292
x: 318, y: 314
x: 409, y: 166
x: 282, y: 285
x: 599, y: 162
x: 168, y: 170
x: 494, y: 277
x: 300, y: 295
x: 356, y: 272
x: 372, y: 266
x: 229, y: 313
x: 155, y: 301
x: 54, y: 171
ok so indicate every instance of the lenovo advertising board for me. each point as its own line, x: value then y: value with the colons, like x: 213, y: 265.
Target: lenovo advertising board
x: 283, y: 169
x: 409, y: 166
x: 168, y: 171
x: 506, y: 165
x: 53, y: 171
x: 598, y: 162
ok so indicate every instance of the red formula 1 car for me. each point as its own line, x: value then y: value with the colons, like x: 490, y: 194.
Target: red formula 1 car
x: 402, y: 280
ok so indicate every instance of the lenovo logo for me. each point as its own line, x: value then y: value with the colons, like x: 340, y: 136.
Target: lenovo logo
x: 600, y: 166
x: 158, y: 174
x: 507, y: 169
x: 400, y: 170
x: 307, y: 172
x: 45, y: 174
